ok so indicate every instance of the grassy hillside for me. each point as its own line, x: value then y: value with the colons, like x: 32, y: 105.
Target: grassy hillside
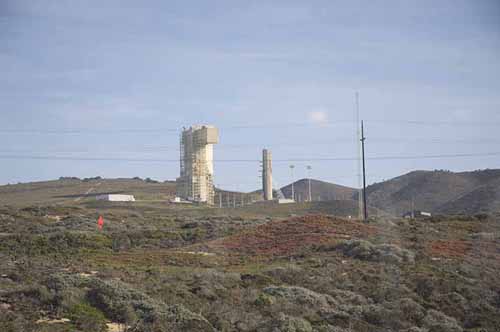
x: 320, y: 191
x: 435, y: 191
x: 483, y: 199
x: 151, y: 195
x: 72, y: 190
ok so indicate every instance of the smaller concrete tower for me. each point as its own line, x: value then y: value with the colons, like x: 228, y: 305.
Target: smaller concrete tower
x: 267, y: 175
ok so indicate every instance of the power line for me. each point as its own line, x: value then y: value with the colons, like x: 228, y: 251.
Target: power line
x: 74, y: 131
x: 156, y: 130
x: 167, y: 148
x: 363, y: 139
x: 437, y: 156
x: 436, y: 123
x: 152, y: 160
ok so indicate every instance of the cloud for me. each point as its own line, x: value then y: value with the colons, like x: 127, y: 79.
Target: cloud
x: 318, y: 117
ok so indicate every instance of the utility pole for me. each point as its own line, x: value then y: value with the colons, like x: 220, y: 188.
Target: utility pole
x: 412, y: 207
x: 358, y: 152
x: 363, y: 138
x: 220, y: 199
x: 293, y: 190
x: 309, y: 180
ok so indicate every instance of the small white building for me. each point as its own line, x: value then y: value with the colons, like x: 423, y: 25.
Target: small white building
x: 416, y: 214
x: 178, y: 200
x: 116, y: 198
x: 285, y: 201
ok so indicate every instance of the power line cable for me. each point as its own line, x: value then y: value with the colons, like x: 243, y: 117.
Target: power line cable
x: 239, y: 127
x: 436, y: 123
x: 167, y: 148
x: 69, y: 158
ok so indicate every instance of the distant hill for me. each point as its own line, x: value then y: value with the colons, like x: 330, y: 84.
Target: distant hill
x: 433, y: 191
x: 73, y: 190
x: 483, y: 199
x: 320, y: 191
x: 438, y: 191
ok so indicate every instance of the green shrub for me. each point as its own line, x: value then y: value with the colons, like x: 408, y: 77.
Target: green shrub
x: 121, y: 242
x: 264, y: 300
x: 195, y: 234
x: 87, y: 317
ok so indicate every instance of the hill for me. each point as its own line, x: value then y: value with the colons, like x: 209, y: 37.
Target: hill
x: 149, y: 194
x: 483, y: 199
x: 434, y: 191
x: 73, y: 190
x: 320, y: 191
x: 438, y: 191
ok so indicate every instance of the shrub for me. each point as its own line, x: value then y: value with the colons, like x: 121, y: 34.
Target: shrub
x: 365, y: 250
x: 45, y: 295
x: 424, y: 287
x: 293, y: 324
x: 87, y: 317
x: 13, y: 322
x: 436, y: 321
x: 121, y: 242
x: 264, y: 300
x: 481, y: 216
x: 410, y: 310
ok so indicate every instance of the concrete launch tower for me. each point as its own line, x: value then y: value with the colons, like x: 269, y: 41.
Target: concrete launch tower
x: 196, y: 180
x: 267, y: 175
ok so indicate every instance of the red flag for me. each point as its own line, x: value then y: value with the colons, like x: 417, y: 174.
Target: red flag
x: 100, y: 222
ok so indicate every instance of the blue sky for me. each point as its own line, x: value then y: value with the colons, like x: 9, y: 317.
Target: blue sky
x: 116, y: 80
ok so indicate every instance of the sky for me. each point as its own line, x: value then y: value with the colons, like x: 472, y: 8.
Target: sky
x: 103, y: 88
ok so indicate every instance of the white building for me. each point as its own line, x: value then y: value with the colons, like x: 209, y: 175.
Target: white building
x: 196, y: 182
x: 285, y: 201
x: 116, y: 198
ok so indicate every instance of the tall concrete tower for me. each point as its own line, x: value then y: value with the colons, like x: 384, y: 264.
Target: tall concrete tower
x: 267, y: 175
x: 196, y: 180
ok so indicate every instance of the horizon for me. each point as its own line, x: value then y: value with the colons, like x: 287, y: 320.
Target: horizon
x: 94, y: 89
x: 252, y: 190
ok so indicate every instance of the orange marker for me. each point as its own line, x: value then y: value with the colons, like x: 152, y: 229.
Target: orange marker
x: 100, y: 222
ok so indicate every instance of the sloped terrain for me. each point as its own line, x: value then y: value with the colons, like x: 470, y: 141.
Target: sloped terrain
x: 74, y: 190
x: 483, y: 199
x: 320, y: 191
x: 438, y: 191
x: 161, y: 270
x: 288, y: 237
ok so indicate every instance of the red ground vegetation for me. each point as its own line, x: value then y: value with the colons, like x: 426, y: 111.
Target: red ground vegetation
x: 462, y: 248
x: 285, y: 237
x: 452, y: 249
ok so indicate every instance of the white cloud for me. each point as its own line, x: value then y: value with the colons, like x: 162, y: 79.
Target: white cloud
x: 318, y: 117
